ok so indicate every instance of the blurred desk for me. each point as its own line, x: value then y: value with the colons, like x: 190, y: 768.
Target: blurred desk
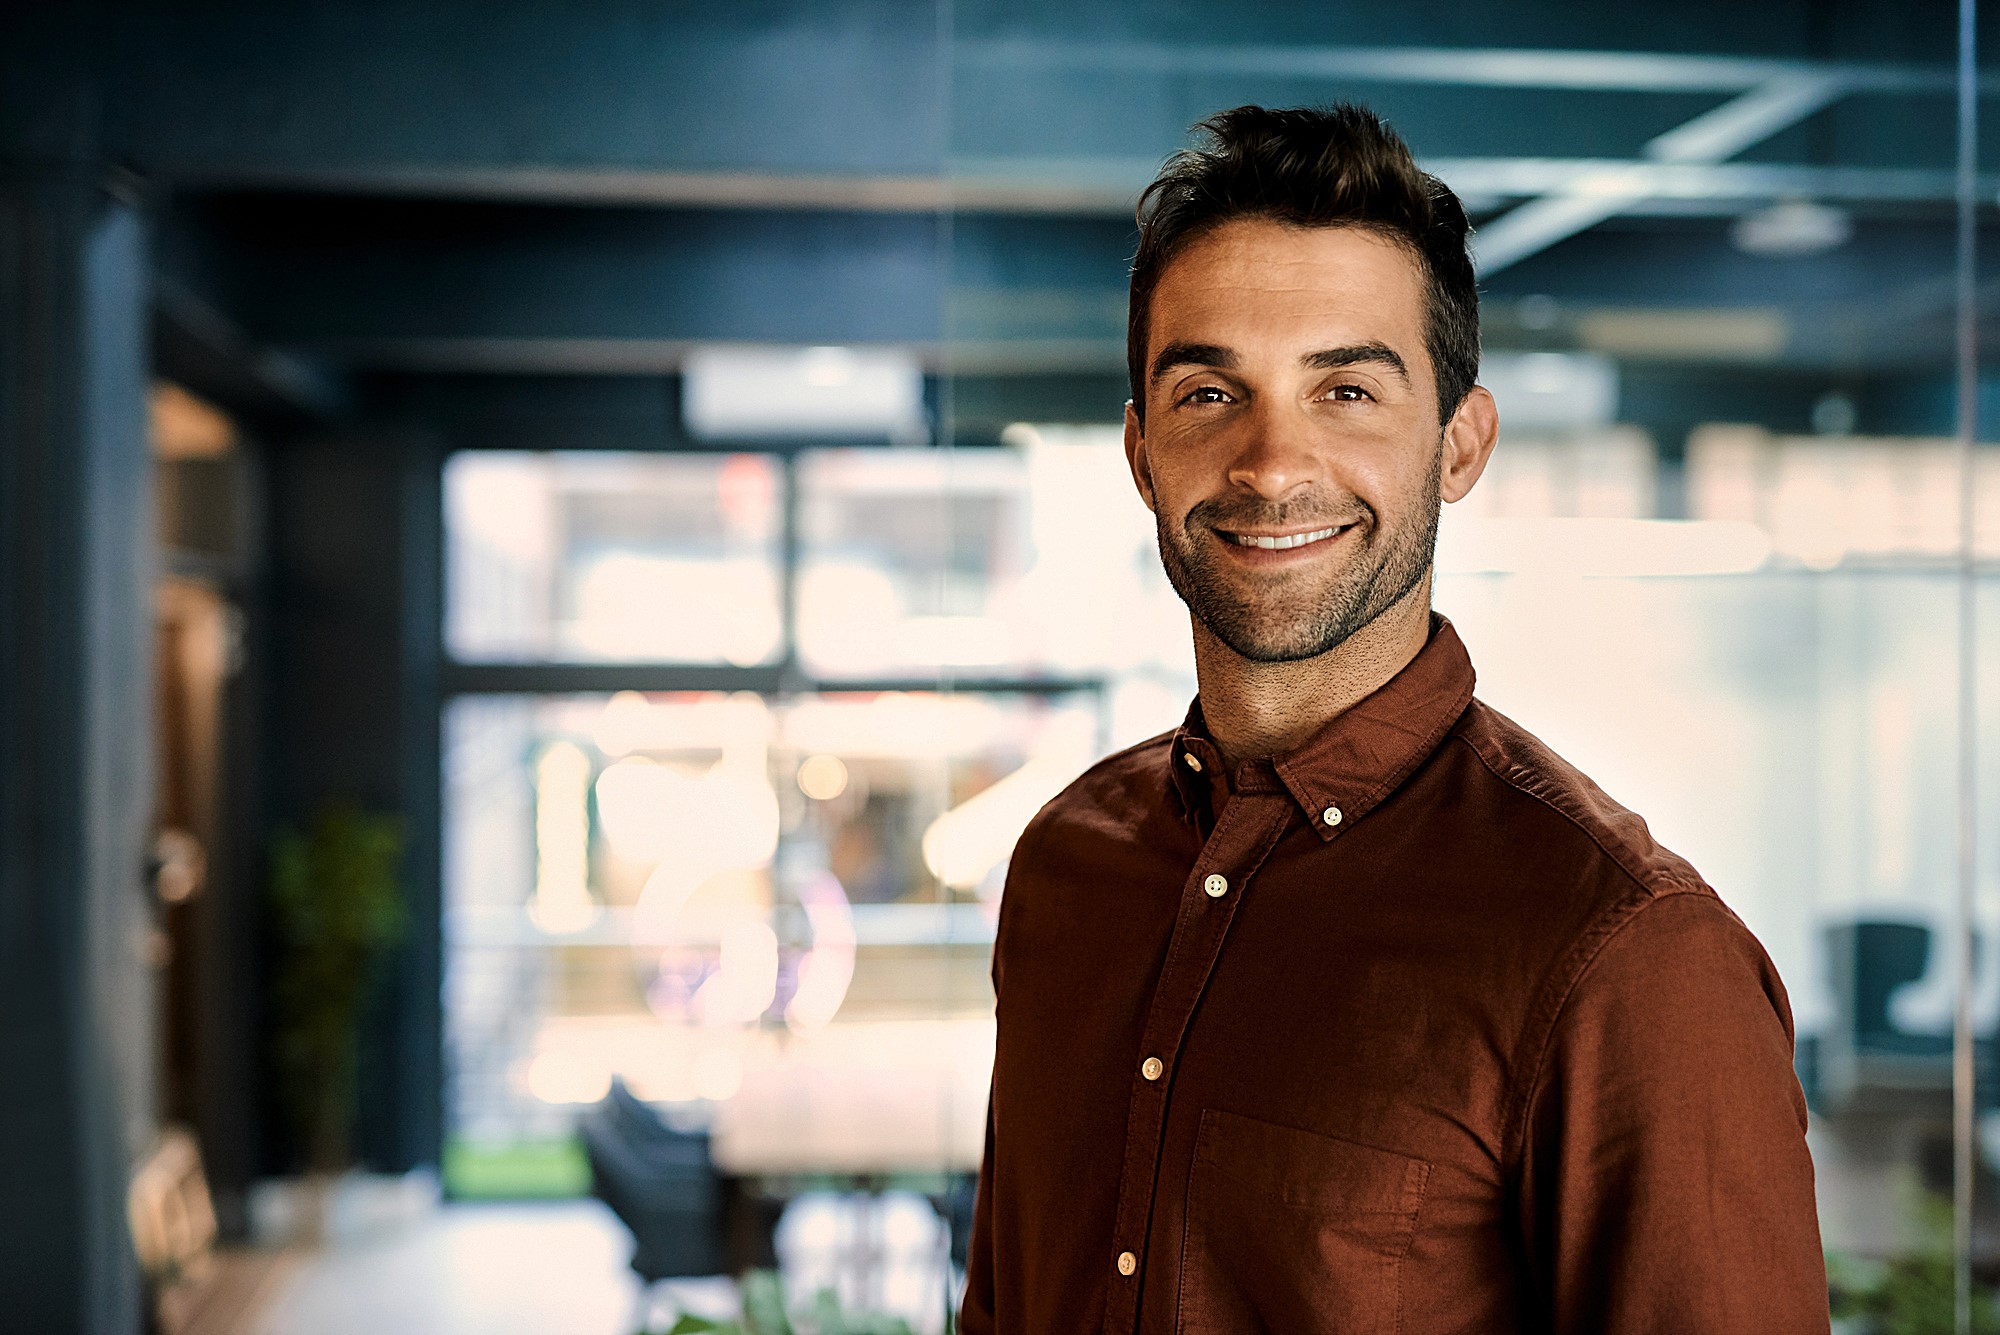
x: 869, y: 1098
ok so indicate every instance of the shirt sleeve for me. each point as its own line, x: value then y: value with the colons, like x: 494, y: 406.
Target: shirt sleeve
x: 1666, y: 1184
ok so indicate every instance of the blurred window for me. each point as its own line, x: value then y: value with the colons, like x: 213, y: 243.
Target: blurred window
x: 910, y: 559
x: 1831, y: 501
x: 584, y: 557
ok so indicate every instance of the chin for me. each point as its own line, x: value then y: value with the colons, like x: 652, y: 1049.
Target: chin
x: 1276, y: 651
x: 1278, y: 638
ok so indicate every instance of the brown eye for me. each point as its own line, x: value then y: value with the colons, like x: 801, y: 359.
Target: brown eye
x: 1206, y: 394
x: 1349, y: 394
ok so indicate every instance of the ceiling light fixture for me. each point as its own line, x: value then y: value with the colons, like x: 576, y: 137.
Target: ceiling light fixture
x: 1792, y: 227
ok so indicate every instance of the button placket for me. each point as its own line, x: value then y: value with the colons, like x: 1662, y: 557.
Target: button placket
x: 1249, y: 828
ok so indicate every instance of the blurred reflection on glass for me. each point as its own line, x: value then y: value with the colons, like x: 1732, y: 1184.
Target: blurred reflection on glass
x: 771, y: 915
x: 1035, y: 556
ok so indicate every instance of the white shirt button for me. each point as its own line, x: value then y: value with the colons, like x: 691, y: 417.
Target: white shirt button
x: 1151, y: 1068
x: 1193, y: 761
x: 1331, y: 815
x: 1127, y: 1263
x: 1217, y: 885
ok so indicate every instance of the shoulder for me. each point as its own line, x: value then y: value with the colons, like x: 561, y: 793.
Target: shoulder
x: 1570, y: 819
x: 1113, y: 798
x: 1584, y: 876
x: 1676, y: 998
x: 1646, y: 961
x: 1106, y: 821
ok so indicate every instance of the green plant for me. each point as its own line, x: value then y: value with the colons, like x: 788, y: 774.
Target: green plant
x: 1912, y: 1294
x: 764, y: 1313
x: 336, y: 907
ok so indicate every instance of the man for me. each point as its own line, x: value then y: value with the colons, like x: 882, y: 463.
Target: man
x: 1348, y: 1006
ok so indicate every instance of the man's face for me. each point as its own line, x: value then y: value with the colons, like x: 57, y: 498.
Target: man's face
x: 1292, y: 454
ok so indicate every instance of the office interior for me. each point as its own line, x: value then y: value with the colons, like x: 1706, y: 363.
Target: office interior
x: 549, y: 551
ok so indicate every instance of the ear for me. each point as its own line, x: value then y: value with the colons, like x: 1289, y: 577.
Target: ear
x: 1135, y: 455
x: 1468, y: 443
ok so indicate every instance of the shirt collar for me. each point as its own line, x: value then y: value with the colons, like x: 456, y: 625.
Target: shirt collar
x: 1343, y: 771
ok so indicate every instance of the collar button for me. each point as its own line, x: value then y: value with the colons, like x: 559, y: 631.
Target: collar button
x: 1331, y: 816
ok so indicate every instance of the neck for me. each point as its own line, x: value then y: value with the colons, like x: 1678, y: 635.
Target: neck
x: 1255, y: 710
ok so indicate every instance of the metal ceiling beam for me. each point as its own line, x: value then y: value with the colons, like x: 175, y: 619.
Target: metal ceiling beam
x: 1587, y: 71
x: 1737, y: 124
x: 1725, y: 181
x: 1110, y: 186
x: 572, y: 291
x: 1093, y: 187
x: 195, y: 344
x: 610, y: 186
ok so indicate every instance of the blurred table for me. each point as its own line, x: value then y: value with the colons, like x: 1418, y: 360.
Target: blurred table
x: 864, y: 1099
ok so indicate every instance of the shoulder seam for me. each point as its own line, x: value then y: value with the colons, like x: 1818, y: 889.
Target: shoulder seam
x: 1616, y: 860
x: 1568, y: 972
x: 1554, y: 1004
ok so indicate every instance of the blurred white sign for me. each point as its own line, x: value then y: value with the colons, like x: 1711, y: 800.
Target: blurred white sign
x: 738, y: 392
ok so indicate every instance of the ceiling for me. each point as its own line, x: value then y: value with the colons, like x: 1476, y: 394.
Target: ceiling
x: 370, y: 204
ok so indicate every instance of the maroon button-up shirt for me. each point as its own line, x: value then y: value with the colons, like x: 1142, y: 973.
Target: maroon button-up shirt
x: 1411, y: 1030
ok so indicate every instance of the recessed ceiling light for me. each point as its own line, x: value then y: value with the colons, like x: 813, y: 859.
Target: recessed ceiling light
x: 1791, y: 227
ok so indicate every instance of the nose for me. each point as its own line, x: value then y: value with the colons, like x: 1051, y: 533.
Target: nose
x: 1276, y: 454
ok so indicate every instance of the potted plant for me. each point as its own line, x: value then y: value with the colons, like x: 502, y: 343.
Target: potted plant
x: 336, y: 908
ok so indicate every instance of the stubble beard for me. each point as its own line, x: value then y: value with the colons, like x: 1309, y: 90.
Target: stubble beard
x: 1296, y: 616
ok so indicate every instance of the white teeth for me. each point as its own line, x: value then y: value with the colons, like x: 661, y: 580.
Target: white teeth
x: 1280, y: 544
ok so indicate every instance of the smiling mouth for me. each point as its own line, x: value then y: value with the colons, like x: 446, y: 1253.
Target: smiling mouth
x: 1283, y: 542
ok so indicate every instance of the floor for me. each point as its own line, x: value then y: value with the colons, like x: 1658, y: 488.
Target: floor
x: 554, y: 1269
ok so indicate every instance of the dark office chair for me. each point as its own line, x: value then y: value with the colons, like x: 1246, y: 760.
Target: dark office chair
x: 1865, y: 1061
x: 1871, y: 962
x: 660, y: 1183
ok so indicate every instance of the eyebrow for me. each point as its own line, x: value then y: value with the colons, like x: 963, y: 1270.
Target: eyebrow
x: 1192, y: 354
x: 1358, y: 354
x: 1326, y: 359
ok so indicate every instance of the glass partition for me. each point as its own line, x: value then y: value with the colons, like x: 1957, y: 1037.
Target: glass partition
x: 1716, y: 561
x: 693, y: 891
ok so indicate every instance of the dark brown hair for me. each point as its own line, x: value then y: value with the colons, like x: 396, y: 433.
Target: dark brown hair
x: 1337, y: 166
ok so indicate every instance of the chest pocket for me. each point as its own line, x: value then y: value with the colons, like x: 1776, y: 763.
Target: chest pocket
x: 1294, y: 1233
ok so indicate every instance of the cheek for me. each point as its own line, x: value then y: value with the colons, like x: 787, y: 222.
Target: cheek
x: 1389, y: 475
x: 1183, y: 469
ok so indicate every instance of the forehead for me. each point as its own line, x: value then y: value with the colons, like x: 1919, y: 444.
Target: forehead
x: 1253, y: 283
